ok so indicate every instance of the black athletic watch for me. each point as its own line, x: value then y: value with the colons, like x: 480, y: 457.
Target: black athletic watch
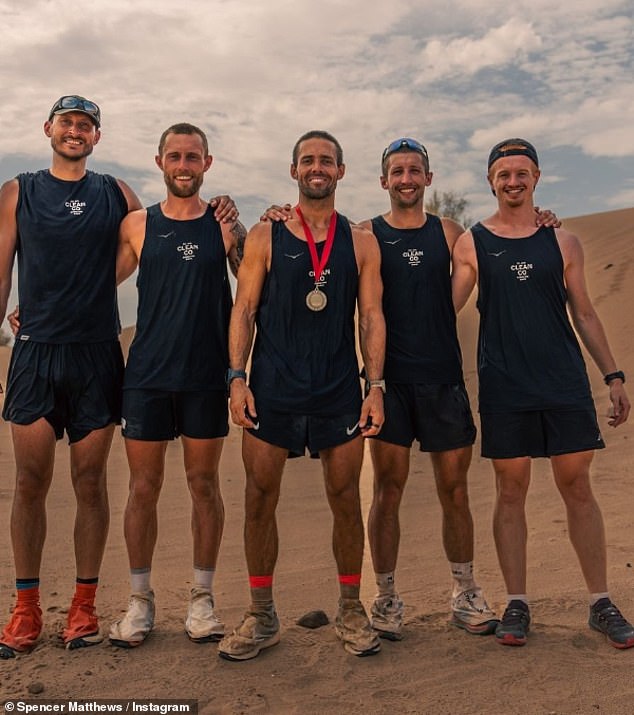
x: 234, y: 375
x: 618, y: 375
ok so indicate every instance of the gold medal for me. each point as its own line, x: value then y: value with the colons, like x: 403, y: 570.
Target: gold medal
x: 316, y: 300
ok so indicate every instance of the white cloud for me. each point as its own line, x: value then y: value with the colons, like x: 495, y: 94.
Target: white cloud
x: 256, y: 75
x: 504, y: 45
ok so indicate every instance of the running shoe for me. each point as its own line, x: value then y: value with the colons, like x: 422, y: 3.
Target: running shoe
x: 82, y: 626
x: 606, y: 618
x: 471, y: 612
x: 256, y: 632
x: 514, y: 626
x: 353, y: 628
x: 137, y: 623
x: 387, y: 617
x: 22, y: 631
x: 202, y: 625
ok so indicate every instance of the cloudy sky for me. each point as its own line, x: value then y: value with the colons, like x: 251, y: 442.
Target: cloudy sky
x: 457, y: 75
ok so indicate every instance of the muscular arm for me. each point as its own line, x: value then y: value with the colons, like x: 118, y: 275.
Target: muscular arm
x: 131, y: 238
x: 452, y: 230
x: 8, y: 239
x: 587, y: 322
x: 464, y: 273
x: 133, y: 202
x: 253, y: 270
x: 371, y: 325
x: 234, y: 235
x: 126, y: 258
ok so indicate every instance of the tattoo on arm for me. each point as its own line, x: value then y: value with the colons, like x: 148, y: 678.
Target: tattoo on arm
x: 237, y: 252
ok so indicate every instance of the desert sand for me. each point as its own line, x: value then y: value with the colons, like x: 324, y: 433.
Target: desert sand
x: 438, y: 670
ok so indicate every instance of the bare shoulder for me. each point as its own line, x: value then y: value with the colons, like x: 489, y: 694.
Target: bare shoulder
x: 569, y: 245
x: 452, y: 230
x: 367, y: 223
x: 130, y: 196
x: 464, y: 247
x: 9, y: 192
x: 567, y: 238
x: 233, y: 232
x: 132, y: 228
x: 362, y: 233
x: 135, y: 218
x: 258, y: 239
x: 366, y: 247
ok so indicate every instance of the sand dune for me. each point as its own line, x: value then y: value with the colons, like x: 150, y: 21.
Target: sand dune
x: 436, y: 670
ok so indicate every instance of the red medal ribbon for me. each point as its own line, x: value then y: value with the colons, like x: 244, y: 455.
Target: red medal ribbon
x: 319, y: 266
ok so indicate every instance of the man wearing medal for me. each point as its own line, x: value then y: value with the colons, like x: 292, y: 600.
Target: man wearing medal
x: 300, y: 283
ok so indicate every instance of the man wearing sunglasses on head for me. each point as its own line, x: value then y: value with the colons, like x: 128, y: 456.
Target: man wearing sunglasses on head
x: 66, y: 367
x: 425, y: 397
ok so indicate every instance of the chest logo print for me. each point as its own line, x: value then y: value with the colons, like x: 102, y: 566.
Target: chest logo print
x: 522, y: 269
x: 76, y: 207
x: 413, y: 256
x: 188, y: 251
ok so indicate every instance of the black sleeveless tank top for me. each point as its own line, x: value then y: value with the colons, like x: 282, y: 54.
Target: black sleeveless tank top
x: 422, y: 343
x: 67, y: 249
x: 528, y: 355
x: 305, y: 362
x: 184, y: 305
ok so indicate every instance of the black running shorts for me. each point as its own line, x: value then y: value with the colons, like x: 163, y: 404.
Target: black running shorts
x: 76, y: 386
x: 540, y: 433
x: 157, y: 415
x: 437, y: 416
x: 298, y: 433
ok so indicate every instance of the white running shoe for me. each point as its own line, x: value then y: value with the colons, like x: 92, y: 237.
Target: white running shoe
x: 353, y: 628
x: 137, y: 623
x: 201, y: 624
x: 256, y: 632
x: 471, y: 612
x: 387, y: 617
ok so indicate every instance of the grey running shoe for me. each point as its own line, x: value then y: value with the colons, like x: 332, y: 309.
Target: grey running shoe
x: 353, y: 628
x: 256, y: 632
x: 471, y: 612
x: 387, y: 617
x: 514, y: 626
x: 137, y: 623
x: 202, y: 625
x: 606, y: 618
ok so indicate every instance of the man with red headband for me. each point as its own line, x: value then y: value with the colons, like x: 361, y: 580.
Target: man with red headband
x: 535, y: 398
